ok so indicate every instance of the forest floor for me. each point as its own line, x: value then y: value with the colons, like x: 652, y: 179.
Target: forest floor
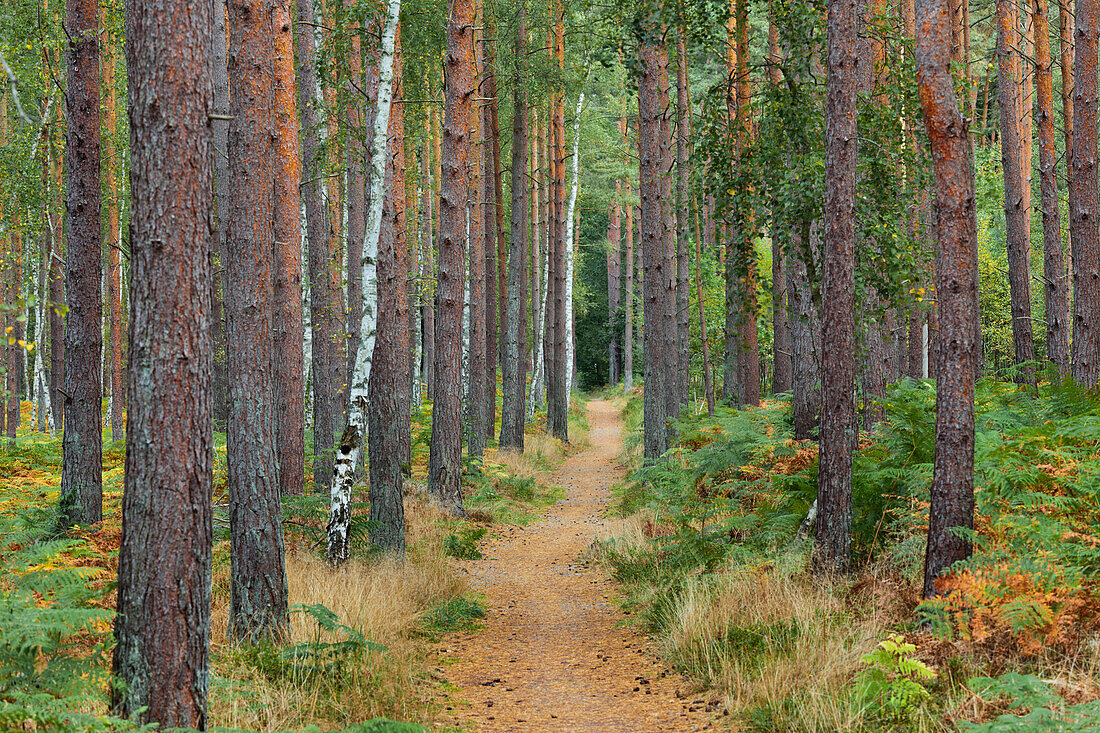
x: 555, y: 653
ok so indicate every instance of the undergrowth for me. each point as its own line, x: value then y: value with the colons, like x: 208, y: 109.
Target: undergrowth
x: 360, y: 636
x: 713, y: 564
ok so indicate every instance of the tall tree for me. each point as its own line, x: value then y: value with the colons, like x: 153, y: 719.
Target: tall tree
x: 628, y: 276
x: 514, y: 332
x: 491, y: 192
x: 258, y: 590
x: 614, y: 282
x: 389, y: 407
x: 781, y: 329
x: 657, y: 262
x: 289, y: 334
x: 683, y: 218
x: 113, y: 243
x: 1016, y: 184
x: 1084, y: 235
x: 309, y: 98
x: 838, y: 410
x: 390, y: 530
x: 56, y: 277
x: 356, y: 86
x: 220, y: 124
x: 952, y: 498
x: 475, y: 355
x: 82, y: 445
x: 557, y: 397
x: 445, y: 459
x: 163, y: 621
x: 1054, y: 265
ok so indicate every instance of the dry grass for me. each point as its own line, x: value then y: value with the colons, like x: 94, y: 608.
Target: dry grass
x: 384, y: 600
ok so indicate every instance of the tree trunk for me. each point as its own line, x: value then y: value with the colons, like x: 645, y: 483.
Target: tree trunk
x: 1084, y: 235
x: 683, y: 219
x: 475, y: 230
x: 258, y: 590
x: 1054, y: 266
x: 1065, y: 51
x: 57, y: 281
x: 952, y: 498
x: 572, y: 227
x: 352, y: 439
x: 388, y: 416
x: 614, y: 282
x: 81, y: 499
x: 288, y: 335
x: 657, y: 264
x: 112, y: 242
x: 445, y: 461
x: 163, y: 622
x: 358, y: 85
x: 427, y: 255
x: 1016, y: 182
x: 628, y: 282
x: 490, y: 132
x: 832, y: 544
x: 220, y: 58
x: 514, y: 365
x: 781, y: 330
x: 320, y: 320
x: 558, y: 398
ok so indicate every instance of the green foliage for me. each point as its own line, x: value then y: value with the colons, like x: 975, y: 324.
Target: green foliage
x: 1035, y: 707
x: 318, y: 656
x: 462, y: 544
x: 458, y: 614
x: 894, y: 683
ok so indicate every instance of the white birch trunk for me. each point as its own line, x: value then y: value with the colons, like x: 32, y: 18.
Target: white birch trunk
x: 354, y: 438
x: 534, y: 399
x: 307, y: 340
x: 415, y: 309
x: 570, y: 236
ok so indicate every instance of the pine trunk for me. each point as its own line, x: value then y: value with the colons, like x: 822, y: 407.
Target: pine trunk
x: 81, y: 499
x: 514, y: 365
x: 1084, y: 235
x: 1054, y: 266
x: 952, y: 497
x: 258, y: 590
x: 683, y: 219
x: 832, y: 544
x: 309, y: 98
x: 1016, y: 184
x: 445, y: 462
x: 112, y: 240
x: 289, y: 337
x: 163, y: 622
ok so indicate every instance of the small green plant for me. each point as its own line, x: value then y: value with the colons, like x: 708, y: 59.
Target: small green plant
x: 1034, y: 707
x: 894, y: 683
x: 457, y: 614
x: 463, y: 543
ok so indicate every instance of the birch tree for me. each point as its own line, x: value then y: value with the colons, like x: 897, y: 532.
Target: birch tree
x: 352, y: 440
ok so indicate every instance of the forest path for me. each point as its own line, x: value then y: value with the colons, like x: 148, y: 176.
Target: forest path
x: 550, y: 656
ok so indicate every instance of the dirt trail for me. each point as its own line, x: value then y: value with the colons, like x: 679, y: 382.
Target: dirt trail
x: 550, y: 657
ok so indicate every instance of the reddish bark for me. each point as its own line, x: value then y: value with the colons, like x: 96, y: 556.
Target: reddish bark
x: 952, y: 496
x: 1084, y: 234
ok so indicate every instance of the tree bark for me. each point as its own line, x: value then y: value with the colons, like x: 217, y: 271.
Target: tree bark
x: 81, y: 499
x: 389, y: 404
x: 614, y: 283
x: 445, y: 461
x: 163, y: 622
x: 476, y: 429
x: 832, y: 545
x: 309, y: 98
x: 289, y: 336
x: 1065, y: 51
x: 357, y: 86
x: 1016, y: 183
x: 952, y: 497
x: 491, y: 187
x: 112, y: 242
x: 220, y: 58
x: 628, y: 282
x: 427, y: 256
x: 557, y: 409
x: 658, y: 266
x: 514, y: 365
x: 57, y: 280
x: 1085, y: 235
x: 258, y: 590
x: 805, y: 337
x: 683, y: 219
x: 1054, y: 266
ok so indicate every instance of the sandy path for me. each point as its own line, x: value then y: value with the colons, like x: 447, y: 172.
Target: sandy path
x: 550, y: 657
